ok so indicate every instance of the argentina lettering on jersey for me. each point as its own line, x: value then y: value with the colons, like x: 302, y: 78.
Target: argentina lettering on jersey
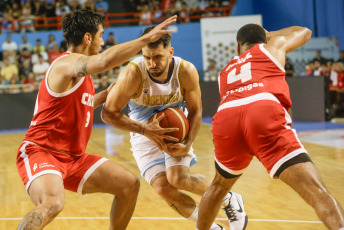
x: 155, y: 96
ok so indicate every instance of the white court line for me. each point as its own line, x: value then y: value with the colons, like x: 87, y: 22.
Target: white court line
x: 171, y: 218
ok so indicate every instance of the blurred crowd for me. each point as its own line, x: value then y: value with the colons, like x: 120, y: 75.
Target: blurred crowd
x: 23, y: 66
x: 31, y: 15
x: 149, y: 11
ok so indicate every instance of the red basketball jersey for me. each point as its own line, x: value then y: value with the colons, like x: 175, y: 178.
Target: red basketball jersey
x: 255, y: 71
x: 63, y: 121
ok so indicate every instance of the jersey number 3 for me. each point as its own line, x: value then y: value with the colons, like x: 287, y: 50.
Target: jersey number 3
x: 244, y: 75
x: 88, y: 116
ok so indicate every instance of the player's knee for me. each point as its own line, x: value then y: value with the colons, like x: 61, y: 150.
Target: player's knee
x: 53, y: 207
x: 163, y: 190
x: 179, y: 181
x: 133, y: 186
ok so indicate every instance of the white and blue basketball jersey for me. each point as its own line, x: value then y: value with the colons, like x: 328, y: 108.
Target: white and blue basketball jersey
x: 155, y: 96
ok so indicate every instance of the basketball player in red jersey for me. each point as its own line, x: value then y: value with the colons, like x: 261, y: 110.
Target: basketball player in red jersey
x: 52, y: 156
x: 252, y: 120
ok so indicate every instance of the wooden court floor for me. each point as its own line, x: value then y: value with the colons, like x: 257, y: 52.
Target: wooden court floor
x: 270, y: 204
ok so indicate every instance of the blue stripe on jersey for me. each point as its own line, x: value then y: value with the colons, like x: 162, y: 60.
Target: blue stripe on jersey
x: 144, y: 112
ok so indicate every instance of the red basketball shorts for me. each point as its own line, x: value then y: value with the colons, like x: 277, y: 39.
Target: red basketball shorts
x: 34, y: 161
x: 262, y: 128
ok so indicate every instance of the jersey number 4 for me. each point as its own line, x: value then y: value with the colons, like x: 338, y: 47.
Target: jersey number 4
x: 244, y: 75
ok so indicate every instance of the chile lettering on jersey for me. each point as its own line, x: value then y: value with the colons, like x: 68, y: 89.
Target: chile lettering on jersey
x: 87, y: 99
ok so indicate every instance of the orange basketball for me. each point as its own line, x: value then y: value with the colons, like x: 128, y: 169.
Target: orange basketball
x: 174, y: 118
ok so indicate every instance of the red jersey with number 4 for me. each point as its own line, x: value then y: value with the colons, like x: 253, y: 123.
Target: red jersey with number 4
x: 63, y: 121
x: 255, y: 71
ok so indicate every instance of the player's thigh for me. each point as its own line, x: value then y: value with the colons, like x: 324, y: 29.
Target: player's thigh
x: 145, y: 152
x: 231, y: 150
x: 178, y: 167
x: 46, y: 189
x: 304, y: 178
x: 110, y: 177
x: 270, y: 136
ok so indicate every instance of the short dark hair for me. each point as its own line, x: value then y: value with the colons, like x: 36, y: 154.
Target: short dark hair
x: 76, y: 23
x: 164, y: 39
x: 251, y: 34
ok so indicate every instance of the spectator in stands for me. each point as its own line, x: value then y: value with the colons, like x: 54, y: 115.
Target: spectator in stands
x: 337, y: 89
x: 38, y: 10
x: 202, y: 4
x: 9, y: 70
x: 38, y: 46
x: 310, y: 69
x: 195, y: 13
x: 325, y: 70
x: 289, y: 68
x: 75, y: 5
x: 89, y: 5
x: 40, y: 68
x: 184, y: 13
x: 103, y: 4
x: 319, y: 58
x: 212, y: 71
x: 111, y: 41
x: 31, y: 81
x: 16, y: 11
x: 35, y: 56
x: 26, y: 20
x: 51, y: 43
x: 104, y: 82
x: 145, y: 16
x: 317, y: 68
x: 9, y: 45
x: 24, y: 70
x: 157, y: 12
x: 341, y: 59
x: 14, y: 87
x: 61, y: 8
x: 50, y: 9
x: 24, y: 54
x: 12, y: 56
x: 54, y: 53
x: 6, y: 24
x: 169, y: 8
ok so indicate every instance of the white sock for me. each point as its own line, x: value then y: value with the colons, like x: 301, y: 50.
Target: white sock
x: 341, y: 229
x: 194, y: 217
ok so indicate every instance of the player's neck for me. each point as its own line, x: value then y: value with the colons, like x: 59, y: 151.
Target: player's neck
x: 245, y: 47
x: 78, y: 49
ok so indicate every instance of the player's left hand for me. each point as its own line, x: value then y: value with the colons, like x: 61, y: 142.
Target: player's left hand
x: 176, y: 149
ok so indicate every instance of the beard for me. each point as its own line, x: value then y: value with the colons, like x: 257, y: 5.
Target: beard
x: 158, y: 74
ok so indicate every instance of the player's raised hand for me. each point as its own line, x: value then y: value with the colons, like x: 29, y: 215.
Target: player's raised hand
x: 160, y: 30
x: 154, y: 132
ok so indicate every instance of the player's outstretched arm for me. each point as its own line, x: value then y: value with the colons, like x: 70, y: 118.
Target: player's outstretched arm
x: 120, y: 53
x: 283, y: 41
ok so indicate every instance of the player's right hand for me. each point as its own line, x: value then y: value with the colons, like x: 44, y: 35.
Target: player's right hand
x: 154, y: 132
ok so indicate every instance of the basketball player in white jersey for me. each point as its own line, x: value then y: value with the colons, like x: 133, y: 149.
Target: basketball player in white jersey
x: 252, y: 120
x: 152, y: 83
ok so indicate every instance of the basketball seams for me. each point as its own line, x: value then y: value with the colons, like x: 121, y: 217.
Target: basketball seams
x: 181, y: 121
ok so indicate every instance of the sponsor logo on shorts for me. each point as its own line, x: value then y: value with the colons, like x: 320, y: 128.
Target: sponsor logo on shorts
x: 44, y: 165
x: 35, y: 167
